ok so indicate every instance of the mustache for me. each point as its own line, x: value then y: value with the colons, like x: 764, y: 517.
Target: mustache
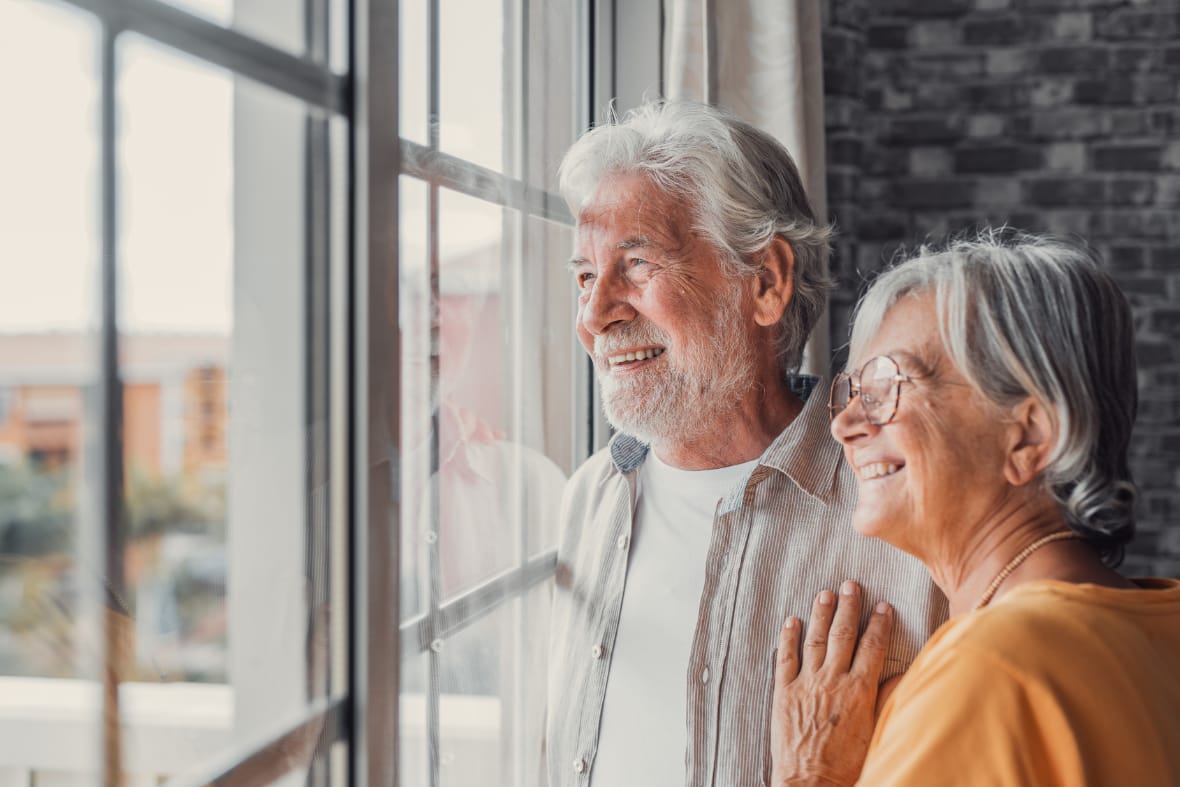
x: 628, y: 336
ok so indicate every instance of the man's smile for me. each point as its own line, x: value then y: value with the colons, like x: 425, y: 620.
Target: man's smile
x: 631, y: 357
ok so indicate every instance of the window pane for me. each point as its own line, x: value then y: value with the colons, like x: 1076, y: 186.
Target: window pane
x: 489, y: 690
x: 50, y: 242
x: 417, y: 312
x: 175, y: 320
x: 220, y: 11
x: 487, y: 701
x: 225, y: 273
x: 281, y: 24
x: 495, y: 489
x: 475, y: 696
x: 413, y: 760
x: 471, y: 81
x: 556, y: 98
x: 548, y: 412
x: 413, y: 89
x: 477, y: 530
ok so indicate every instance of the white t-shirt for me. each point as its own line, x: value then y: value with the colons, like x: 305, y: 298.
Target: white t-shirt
x: 644, y: 723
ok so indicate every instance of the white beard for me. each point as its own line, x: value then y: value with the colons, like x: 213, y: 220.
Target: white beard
x: 685, y: 398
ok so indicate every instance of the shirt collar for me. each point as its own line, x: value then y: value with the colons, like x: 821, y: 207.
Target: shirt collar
x: 805, y: 451
x: 627, y: 452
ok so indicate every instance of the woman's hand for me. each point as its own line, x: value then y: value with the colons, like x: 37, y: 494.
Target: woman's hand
x: 823, y: 707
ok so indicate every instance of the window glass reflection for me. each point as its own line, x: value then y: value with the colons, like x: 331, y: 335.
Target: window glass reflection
x: 418, y: 315
x: 481, y: 495
x: 489, y: 386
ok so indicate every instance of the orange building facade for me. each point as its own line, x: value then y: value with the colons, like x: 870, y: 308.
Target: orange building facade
x: 174, y: 402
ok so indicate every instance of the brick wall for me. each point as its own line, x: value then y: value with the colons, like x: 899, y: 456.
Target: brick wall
x: 1058, y: 116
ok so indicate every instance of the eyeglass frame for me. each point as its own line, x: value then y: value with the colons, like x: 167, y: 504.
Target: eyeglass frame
x: 854, y: 390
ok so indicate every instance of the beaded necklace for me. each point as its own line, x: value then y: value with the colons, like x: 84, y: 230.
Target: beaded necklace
x: 1016, y: 561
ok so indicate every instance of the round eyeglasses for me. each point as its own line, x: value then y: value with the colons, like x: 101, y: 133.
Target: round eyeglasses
x: 878, y: 384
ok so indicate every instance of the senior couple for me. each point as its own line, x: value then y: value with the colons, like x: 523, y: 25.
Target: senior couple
x: 734, y: 585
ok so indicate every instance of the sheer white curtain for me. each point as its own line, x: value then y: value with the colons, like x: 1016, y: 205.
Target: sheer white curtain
x: 760, y: 59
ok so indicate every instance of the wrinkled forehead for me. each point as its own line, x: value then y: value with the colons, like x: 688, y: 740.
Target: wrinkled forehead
x: 625, y: 206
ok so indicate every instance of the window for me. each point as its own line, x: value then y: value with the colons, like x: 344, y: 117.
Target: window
x: 491, y: 95
x: 289, y: 382
x: 175, y: 201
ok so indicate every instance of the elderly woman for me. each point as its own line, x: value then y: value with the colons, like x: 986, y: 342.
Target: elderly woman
x: 987, y: 419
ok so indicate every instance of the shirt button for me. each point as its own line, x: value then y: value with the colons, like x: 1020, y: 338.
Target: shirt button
x: 623, y: 541
x: 579, y: 766
x: 598, y: 651
x: 705, y: 675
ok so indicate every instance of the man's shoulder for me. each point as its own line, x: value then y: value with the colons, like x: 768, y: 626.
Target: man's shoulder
x: 591, y: 500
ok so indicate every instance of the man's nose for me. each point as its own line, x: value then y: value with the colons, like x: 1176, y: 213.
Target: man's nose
x: 607, y: 304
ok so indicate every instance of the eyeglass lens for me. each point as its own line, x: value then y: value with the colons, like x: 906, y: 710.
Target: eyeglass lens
x: 878, y: 390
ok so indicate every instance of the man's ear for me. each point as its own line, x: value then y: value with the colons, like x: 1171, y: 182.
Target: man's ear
x: 776, y: 282
x: 1033, y: 433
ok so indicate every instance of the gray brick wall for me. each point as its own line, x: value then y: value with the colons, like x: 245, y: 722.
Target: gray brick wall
x: 1058, y: 116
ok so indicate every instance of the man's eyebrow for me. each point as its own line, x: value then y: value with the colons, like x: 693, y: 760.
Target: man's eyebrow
x: 637, y: 242
x: 633, y: 242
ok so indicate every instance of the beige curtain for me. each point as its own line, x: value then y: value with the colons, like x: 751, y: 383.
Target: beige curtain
x: 760, y: 59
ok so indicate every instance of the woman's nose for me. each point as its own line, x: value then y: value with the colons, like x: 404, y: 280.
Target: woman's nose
x: 850, y: 423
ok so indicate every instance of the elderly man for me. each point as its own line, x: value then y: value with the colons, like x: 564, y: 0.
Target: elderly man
x: 722, y: 503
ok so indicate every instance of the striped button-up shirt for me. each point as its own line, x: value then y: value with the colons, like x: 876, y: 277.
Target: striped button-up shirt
x: 778, y: 538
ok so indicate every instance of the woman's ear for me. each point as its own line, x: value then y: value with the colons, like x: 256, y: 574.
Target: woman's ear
x: 775, y: 282
x: 1033, y: 434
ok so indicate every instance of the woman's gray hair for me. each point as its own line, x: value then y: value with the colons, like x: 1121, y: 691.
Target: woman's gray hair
x: 1023, y: 315
x: 741, y: 185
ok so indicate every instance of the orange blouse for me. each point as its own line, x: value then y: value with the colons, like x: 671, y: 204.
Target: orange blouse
x: 1052, y: 684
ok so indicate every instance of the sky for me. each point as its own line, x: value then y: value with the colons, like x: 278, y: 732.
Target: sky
x: 175, y: 164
